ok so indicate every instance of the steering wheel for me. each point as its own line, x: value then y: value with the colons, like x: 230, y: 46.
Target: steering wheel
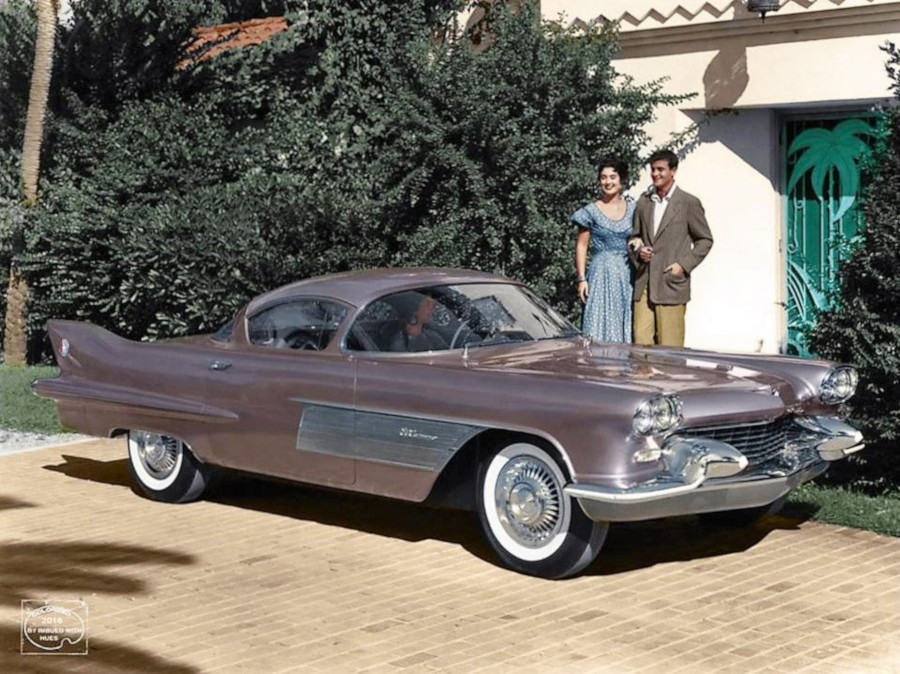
x: 299, y: 340
x: 463, y: 325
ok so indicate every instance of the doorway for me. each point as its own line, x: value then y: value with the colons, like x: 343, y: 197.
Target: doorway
x: 825, y: 171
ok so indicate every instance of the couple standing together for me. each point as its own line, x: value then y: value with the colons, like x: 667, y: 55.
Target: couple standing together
x: 641, y: 255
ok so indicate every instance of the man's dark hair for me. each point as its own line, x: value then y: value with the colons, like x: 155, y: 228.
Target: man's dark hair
x: 616, y: 165
x: 665, y: 155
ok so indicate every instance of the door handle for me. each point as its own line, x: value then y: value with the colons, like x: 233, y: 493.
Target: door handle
x: 219, y: 365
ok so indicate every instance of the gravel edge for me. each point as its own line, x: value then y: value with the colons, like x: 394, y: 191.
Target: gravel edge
x: 13, y: 442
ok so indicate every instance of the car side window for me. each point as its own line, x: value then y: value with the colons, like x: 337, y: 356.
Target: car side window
x: 305, y: 324
x: 405, y: 322
x: 374, y: 327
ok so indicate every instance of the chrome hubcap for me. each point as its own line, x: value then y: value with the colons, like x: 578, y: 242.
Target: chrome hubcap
x: 158, y: 453
x: 528, y: 498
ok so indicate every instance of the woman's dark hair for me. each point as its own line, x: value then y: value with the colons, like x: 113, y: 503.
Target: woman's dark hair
x: 616, y: 165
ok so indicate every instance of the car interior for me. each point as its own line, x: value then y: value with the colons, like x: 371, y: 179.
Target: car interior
x: 377, y: 327
x: 304, y: 325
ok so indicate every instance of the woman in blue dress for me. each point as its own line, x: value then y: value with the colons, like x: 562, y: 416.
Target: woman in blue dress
x: 604, y: 227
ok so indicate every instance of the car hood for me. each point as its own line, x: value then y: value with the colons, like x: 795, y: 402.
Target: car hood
x: 634, y: 367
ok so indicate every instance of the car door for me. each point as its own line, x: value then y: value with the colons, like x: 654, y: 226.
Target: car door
x: 292, y: 393
x: 403, y: 438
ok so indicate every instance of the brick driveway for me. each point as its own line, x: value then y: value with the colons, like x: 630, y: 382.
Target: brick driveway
x: 265, y: 577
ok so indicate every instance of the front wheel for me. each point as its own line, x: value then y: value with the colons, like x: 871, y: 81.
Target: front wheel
x: 532, y: 525
x: 164, y: 468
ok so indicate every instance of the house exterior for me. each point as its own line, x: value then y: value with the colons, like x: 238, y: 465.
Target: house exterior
x: 780, y: 164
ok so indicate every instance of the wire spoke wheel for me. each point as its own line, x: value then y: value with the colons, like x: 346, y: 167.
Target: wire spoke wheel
x: 528, y: 519
x: 159, y: 453
x: 528, y: 500
x: 164, y: 467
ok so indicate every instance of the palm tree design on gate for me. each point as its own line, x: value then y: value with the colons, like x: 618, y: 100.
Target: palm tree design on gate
x: 821, y: 225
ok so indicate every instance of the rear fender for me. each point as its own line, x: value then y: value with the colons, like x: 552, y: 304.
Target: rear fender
x: 108, y: 383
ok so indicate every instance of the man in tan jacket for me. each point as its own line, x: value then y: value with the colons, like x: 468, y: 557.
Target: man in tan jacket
x: 669, y: 239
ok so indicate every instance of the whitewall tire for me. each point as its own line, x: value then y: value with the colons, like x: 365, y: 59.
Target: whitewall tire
x: 531, y: 524
x: 164, y: 468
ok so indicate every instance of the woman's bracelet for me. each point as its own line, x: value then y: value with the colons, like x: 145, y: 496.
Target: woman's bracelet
x: 581, y: 279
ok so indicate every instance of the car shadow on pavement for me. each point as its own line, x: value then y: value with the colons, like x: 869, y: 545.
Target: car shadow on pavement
x: 361, y: 512
x: 629, y: 545
x: 67, y: 570
x: 85, y: 468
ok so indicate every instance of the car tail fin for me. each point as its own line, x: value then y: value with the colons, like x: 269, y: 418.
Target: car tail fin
x: 75, y: 343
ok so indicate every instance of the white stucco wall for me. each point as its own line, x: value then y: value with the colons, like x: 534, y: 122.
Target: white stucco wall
x: 736, y: 291
x: 649, y: 14
x: 810, y: 72
x: 799, y: 61
x: 736, y: 288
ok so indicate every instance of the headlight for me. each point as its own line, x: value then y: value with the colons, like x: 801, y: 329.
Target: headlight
x: 657, y: 415
x: 839, y: 385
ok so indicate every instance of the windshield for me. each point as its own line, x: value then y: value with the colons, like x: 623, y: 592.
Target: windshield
x: 456, y: 316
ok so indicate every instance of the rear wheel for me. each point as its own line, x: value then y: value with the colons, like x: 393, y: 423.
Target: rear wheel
x: 164, y: 468
x: 532, y: 525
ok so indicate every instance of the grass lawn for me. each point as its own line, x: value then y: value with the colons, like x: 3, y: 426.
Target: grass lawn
x: 21, y: 410
x: 846, y: 508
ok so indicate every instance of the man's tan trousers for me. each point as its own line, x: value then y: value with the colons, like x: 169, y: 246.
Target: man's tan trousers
x: 661, y: 324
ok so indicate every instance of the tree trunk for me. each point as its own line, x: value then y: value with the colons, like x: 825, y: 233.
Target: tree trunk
x: 17, y: 293
x: 37, y: 96
x: 14, y: 337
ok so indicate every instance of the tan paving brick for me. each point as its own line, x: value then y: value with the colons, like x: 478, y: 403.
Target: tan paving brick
x: 270, y: 578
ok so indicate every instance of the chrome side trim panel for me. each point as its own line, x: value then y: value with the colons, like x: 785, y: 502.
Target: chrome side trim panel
x: 327, y: 430
x: 478, y: 423
x: 412, y: 442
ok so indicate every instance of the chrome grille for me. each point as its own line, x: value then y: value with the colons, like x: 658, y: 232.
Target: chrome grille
x: 759, y: 442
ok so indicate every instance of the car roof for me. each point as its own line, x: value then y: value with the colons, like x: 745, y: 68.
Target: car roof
x: 358, y: 288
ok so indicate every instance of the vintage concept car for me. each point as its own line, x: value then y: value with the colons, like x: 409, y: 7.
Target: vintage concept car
x: 461, y: 388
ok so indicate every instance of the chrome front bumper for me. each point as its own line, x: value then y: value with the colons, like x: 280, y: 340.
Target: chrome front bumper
x: 704, y: 475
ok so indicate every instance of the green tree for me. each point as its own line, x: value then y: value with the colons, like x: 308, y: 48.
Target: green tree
x: 353, y: 139
x: 17, y: 291
x: 863, y: 327
x: 489, y: 151
x: 17, y: 34
x: 255, y: 157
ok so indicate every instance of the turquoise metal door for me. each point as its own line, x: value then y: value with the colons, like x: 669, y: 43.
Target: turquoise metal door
x: 824, y: 171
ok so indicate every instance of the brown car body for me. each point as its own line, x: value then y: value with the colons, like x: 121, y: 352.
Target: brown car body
x: 391, y: 423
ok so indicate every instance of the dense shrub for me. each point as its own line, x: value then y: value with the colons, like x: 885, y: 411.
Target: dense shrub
x: 17, y: 33
x: 863, y: 328
x: 351, y: 140
x: 490, y: 151
x: 12, y: 217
